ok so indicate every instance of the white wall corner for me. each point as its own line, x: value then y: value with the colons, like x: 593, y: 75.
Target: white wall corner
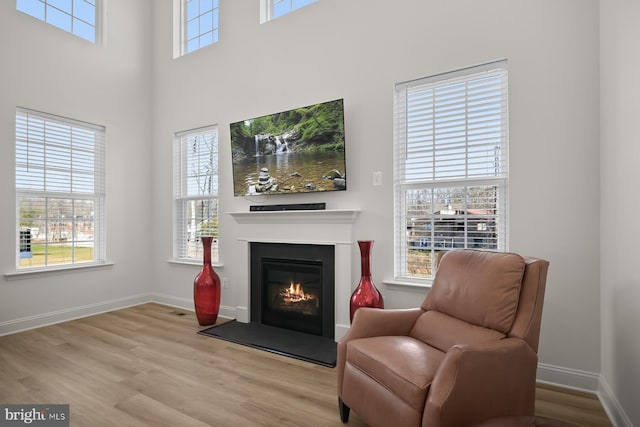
x: 611, y: 406
x: 588, y: 382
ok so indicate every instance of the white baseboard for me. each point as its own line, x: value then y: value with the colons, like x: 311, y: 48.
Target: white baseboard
x: 187, y: 304
x: 589, y: 382
x: 228, y: 312
x: 173, y: 301
x: 242, y: 314
x: 53, y: 317
x: 567, y: 377
x: 611, y: 406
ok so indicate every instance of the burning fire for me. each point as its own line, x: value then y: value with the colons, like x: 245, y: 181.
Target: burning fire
x: 295, y: 293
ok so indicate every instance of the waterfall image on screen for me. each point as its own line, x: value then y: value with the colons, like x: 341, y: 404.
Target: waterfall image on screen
x: 295, y: 151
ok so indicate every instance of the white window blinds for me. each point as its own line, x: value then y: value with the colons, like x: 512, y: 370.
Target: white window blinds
x: 450, y: 169
x: 195, y: 192
x: 60, y: 190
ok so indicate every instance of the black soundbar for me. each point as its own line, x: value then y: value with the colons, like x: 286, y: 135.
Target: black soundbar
x: 291, y: 207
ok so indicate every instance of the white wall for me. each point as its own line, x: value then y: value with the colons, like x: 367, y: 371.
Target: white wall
x: 357, y: 50
x: 47, y: 69
x: 620, y: 151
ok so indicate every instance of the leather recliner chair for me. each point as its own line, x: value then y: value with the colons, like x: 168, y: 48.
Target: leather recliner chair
x: 468, y: 354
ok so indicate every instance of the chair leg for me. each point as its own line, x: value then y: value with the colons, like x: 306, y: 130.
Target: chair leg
x: 344, y: 411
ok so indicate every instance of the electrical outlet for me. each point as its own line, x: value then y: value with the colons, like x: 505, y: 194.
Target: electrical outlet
x: 225, y: 282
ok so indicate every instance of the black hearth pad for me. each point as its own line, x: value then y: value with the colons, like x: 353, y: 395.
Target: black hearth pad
x: 311, y: 348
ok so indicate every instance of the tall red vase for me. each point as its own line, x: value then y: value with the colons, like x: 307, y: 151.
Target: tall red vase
x: 206, y: 288
x: 366, y: 294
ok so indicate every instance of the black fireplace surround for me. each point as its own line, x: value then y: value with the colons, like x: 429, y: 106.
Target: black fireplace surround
x: 293, y: 286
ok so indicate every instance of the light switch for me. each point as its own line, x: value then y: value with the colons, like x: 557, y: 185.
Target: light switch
x: 376, y: 178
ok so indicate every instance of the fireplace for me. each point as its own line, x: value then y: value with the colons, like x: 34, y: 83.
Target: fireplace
x: 332, y: 227
x: 292, y: 286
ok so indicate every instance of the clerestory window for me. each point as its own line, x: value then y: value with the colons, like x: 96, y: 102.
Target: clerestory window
x: 78, y: 17
x: 272, y: 9
x: 199, y: 24
x: 450, y: 167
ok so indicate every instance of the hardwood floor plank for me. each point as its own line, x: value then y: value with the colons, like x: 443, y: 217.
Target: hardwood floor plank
x: 151, y: 412
x: 147, y: 366
x: 574, y: 406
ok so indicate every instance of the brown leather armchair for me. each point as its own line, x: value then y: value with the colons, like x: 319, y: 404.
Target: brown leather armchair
x: 468, y: 354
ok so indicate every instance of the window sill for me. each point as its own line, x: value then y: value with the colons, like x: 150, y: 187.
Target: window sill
x: 398, y: 285
x: 31, y: 273
x: 218, y: 264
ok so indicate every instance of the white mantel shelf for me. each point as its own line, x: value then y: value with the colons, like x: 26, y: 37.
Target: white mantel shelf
x: 330, y: 216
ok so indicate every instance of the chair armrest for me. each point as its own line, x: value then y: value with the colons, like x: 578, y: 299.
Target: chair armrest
x: 475, y: 383
x: 375, y: 322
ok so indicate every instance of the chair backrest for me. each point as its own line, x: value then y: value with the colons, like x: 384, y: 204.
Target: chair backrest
x: 529, y: 316
x: 493, y: 290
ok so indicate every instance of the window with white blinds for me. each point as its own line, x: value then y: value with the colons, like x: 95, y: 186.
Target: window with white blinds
x: 78, y: 17
x: 450, y: 167
x: 195, y: 179
x: 272, y: 9
x: 60, y: 191
x: 199, y: 24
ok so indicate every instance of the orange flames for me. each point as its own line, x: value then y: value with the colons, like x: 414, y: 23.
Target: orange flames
x: 295, y: 293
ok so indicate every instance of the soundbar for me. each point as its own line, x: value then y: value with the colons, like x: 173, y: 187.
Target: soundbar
x: 291, y: 207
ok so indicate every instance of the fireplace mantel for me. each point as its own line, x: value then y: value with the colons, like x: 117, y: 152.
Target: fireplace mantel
x: 334, y: 227
x: 331, y: 216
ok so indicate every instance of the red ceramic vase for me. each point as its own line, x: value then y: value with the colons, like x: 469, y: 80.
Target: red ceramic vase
x: 366, y: 294
x: 206, y: 288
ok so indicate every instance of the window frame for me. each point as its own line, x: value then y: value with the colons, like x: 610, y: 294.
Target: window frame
x: 267, y: 9
x: 82, y: 161
x: 188, y: 241
x: 419, y: 177
x: 184, y: 26
x: 97, y: 18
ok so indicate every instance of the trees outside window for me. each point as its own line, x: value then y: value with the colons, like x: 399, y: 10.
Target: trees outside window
x: 60, y: 191
x: 195, y: 193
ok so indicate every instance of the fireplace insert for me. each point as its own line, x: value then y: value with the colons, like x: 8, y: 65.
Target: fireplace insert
x: 292, y: 287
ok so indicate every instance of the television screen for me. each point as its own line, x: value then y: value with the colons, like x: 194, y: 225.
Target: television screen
x: 295, y: 151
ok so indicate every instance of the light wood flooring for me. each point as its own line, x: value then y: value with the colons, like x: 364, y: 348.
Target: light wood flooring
x: 147, y: 366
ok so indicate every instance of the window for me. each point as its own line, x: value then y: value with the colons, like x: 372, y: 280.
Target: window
x: 77, y: 17
x: 200, y: 24
x: 450, y: 167
x: 195, y: 182
x: 272, y: 9
x: 59, y: 190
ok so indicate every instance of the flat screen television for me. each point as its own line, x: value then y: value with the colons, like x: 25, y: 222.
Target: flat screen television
x: 295, y: 151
